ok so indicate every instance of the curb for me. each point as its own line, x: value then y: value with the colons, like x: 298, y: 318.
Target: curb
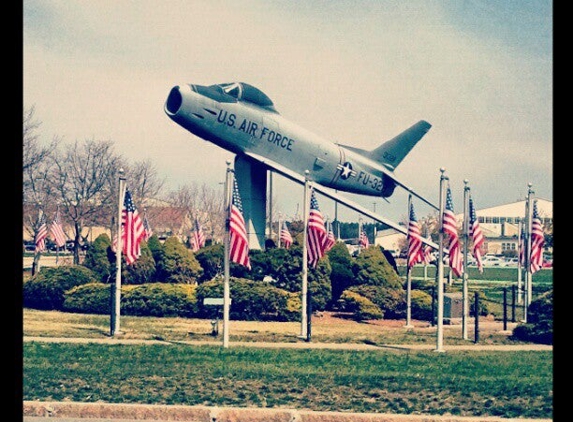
x: 143, y: 412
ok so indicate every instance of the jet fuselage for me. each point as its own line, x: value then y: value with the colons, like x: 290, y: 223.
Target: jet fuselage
x: 254, y: 128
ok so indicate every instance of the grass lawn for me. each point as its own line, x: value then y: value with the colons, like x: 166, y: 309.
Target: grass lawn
x: 468, y: 383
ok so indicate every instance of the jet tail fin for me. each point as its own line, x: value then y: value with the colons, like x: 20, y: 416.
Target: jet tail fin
x: 392, y: 152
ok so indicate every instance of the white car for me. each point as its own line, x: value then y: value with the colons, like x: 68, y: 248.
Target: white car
x: 493, y: 261
x: 511, y: 262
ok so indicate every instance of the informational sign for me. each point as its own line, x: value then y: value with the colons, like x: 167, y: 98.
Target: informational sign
x: 214, y: 301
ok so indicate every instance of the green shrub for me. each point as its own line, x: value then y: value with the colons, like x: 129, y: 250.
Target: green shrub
x: 539, y: 326
x: 177, y: 264
x: 212, y: 260
x: 421, y: 302
x: 160, y: 300
x: 391, y: 301
x: 99, y: 258
x: 371, y: 267
x: 142, y: 270
x: 250, y: 300
x: 45, y: 290
x: 91, y: 298
x: 361, y: 307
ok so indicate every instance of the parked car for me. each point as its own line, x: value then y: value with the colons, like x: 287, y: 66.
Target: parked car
x: 512, y: 262
x: 493, y: 261
x: 29, y: 246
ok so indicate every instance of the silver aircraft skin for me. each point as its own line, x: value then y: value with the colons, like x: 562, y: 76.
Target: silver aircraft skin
x: 242, y: 119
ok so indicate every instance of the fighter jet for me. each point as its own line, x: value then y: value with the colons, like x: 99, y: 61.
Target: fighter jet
x: 242, y: 119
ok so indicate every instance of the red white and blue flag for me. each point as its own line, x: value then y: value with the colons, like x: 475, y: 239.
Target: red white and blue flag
x: 476, y: 235
x: 132, y: 229
x: 147, y: 228
x: 41, y: 234
x: 415, y: 250
x: 537, y: 241
x: 450, y: 227
x: 363, y: 240
x: 285, y: 236
x: 330, y: 240
x: 239, y: 242
x: 316, y: 232
x: 57, y: 231
x: 198, y: 238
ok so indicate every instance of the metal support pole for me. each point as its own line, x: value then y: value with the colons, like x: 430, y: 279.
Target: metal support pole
x: 271, y: 205
x: 520, y: 243
x: 227, y: 264
x: 409, y: 274
x: 504, y: 309
x: 513, y: 303
x: 466, y: 236
x: 476, y: 304
x: 304, y: 289
x: 440, y: 278
x: 116, y: 301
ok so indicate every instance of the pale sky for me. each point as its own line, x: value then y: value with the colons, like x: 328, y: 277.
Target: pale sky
x: 356, y: 72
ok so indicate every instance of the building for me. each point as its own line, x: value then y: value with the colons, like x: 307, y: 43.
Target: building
x: 500, y: 225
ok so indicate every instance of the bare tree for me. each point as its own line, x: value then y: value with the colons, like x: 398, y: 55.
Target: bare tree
x: 144, y: 182
x: 36, y: 189
x: 35, y: 162
x: 84, y: 177
x: 204, y: 204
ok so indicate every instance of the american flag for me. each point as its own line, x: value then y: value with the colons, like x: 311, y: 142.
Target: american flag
x: 450, y: 227
x: 198, y: 239
x: 476, y: 235
x: 329, y: 240
x: 41, y: 234
x: 363, y: 240
x: 57, y: 231
x: 537, y: 241
x: 133, y: 231
x: 415, y: 250
x: 316, y: 233
x: 239, y: 242
x: 147, y: 228
x: 427, y: 254
x: 285, y: 236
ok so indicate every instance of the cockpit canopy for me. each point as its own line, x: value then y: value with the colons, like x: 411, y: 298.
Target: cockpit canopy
x: 236, y: 91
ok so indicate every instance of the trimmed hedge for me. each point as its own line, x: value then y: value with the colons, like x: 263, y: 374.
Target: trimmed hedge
x: 362, y: 308
x: 251, y: 300
x: 46, y: 289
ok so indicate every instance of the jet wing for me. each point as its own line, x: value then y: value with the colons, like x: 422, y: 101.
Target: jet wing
x: 330, y: 193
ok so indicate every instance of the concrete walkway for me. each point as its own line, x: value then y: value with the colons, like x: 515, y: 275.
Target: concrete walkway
x: 300, y: 345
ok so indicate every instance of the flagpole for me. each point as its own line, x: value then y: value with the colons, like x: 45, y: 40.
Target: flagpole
x: 116, y: 296
x: 304, y: 289
x: 465, y: 273
x: 271, y: 204
x: 37, y: 255
x: 280, y: 228
x: 226, y: 288
x: 520, y: 253
x: 359, y: 233
x: 409, y: 273
x: 57, y: 247
x: 440, y: 276
x: 528, y: 274
x: 530, y: 223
